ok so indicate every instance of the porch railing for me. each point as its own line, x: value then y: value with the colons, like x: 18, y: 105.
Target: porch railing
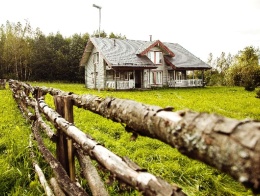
x: 185, y: 83
x: 120, y: 84
x: 177, y: 83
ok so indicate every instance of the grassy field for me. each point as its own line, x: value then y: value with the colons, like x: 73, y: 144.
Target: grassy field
x: 17, y: 177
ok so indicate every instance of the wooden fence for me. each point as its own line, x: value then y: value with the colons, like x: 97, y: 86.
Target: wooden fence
x: 229, y: 145
x: 2, y: 83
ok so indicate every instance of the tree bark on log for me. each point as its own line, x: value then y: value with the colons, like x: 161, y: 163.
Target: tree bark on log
x: 90, y: 173
x: 229, y: 145
x: 143, y: 181
x: 63, y: 179
x: 43, y: 125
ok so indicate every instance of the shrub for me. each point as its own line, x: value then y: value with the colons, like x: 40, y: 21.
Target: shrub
x: 258, y: 94
x: 249, y: 86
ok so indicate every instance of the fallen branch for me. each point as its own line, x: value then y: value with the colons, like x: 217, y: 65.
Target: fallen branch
x: 90, y: 173
x: 39, y: 172
x: 57, y: 190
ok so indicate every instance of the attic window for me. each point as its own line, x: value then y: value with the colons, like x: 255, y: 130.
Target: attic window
x: 155, y: 57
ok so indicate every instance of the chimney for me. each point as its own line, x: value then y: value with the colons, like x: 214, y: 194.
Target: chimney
x: 151, y: 39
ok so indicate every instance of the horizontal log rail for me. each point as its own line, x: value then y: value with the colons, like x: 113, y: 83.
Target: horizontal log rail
x: 123, y: 170
x: 230, y: 145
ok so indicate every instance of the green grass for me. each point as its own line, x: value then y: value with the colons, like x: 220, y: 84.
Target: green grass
x: 161, y: 160
x: 16, y: 171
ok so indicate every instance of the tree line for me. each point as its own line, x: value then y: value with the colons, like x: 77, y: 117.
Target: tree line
x: 27, y: 54
x: 242, y: 69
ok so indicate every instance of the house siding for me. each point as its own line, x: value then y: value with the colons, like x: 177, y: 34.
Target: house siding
x: 90, y: 80
x: 89, y: 70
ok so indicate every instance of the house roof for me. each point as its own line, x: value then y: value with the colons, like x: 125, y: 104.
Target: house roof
x: 183, y: 59
x: 120, y: 53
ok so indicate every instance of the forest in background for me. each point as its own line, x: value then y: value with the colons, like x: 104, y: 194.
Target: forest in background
x: 29, y: 55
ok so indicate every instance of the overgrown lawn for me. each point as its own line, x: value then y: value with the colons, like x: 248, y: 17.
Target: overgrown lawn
x: 160, y: 159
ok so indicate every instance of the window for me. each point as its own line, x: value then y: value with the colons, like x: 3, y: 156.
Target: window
x: 155, y: 57
x: 179, y: 76
x: 131, y: 75
x: 117, y: 74
x: 93, y: 76
x: 126, y: 75
x: 156, y: 77
x: 95, y: 57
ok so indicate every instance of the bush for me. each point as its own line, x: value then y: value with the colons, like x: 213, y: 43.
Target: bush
x: 249, y: 86
x: 258, y: 94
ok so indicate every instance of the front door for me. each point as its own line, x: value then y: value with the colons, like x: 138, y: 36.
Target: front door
x: 138, y: 79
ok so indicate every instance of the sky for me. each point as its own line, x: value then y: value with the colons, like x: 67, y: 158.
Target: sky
x: 200, y: 26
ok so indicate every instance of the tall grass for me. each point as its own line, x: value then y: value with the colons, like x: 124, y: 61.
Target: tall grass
x: 160, y: 159
x: 16, y: 173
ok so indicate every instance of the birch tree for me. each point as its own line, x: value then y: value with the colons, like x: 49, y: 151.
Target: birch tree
x: 17, y: 50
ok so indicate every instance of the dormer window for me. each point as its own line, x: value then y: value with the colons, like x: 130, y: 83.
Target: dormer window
x: 155, y: 57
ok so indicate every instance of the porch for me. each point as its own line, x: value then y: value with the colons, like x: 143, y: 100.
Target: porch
x: 186, y: 83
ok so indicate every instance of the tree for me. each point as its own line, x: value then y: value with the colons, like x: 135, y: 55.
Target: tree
x: 41, y: 58
x: 2, y: 42
x: 16, y: 50
x: 220, y: 65
x: 77, y: 46
x: 116, y: 36
x: 102, y: 34
x: 245, y: 70
x: 26, y: 54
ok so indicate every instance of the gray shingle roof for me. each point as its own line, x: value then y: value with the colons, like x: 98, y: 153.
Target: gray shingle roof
x: 119, y: 52
x: 184, y: 59
x: 125, y: 52
x: 144, y: 45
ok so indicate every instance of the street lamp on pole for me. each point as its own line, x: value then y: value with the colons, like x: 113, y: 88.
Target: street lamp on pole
x: 99, y: 8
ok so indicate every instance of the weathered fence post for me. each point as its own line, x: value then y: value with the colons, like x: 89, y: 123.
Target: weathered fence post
x: 61, y: 144
x: 2, y: 83
x: 64, y: 147
x: 38, y: 94
x: 68, y: 115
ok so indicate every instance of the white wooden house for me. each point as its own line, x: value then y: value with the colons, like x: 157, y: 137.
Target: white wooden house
x: 129, y: 64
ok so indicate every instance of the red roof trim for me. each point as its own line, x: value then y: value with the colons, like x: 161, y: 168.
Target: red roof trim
x: 169, y: 63
x: 160, y: 45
